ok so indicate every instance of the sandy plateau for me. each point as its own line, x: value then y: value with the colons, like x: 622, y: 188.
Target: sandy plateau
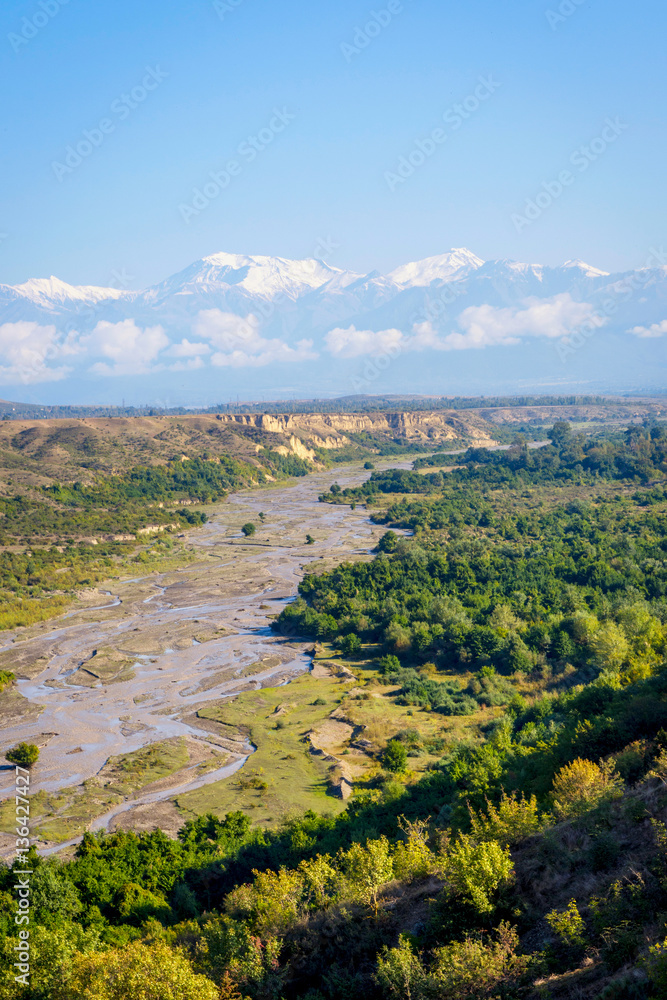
x: 132, y: 668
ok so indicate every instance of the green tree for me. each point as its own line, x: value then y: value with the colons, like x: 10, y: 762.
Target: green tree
x: 395, y: 757
x: 584, y: 785
x: 368, y: 869
x: 136, y: 972
x: 249, y: 529
x: 388, y: 542
x: 350, y: 645
x: 23, y: 755
x: 475, y: 871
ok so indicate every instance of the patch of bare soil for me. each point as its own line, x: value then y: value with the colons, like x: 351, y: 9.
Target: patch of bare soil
x: 163, y: 816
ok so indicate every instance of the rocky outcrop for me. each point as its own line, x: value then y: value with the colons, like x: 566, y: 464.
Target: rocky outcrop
x: 332, y: 430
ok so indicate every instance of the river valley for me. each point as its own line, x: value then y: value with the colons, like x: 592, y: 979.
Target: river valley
x: 133, y: 669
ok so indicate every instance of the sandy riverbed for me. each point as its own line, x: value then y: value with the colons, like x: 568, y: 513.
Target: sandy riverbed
x: 169, y: 643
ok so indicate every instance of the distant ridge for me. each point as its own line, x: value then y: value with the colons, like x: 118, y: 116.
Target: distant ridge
x: 242, y: 325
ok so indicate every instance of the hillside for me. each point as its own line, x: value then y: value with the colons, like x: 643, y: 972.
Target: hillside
x: 505, y: 735
x: 34, y: 452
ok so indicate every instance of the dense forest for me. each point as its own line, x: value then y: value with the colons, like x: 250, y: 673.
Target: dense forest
x: 528, y: 861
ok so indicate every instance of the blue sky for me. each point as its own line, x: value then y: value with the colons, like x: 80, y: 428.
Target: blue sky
x: 221, y: 73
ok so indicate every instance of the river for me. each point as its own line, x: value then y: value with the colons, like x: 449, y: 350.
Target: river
x: 189, y: 636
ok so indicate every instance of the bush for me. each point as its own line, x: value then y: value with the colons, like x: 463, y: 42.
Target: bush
x: 136, y: 972
x: 388, y: 542
x: 389, y: 664
x: 656, y: 966
x: 368, y: 869
x: 249, y: 529
x: 350, y: 645
x: 395, y: 757
x: 582, y: 785
x: 23, y: 755
x: 473, y: 968
x: 412, y: 857
x: 569, y: 925
x: 400, y: 973
x: 511, y: 820
x: 475, y: 871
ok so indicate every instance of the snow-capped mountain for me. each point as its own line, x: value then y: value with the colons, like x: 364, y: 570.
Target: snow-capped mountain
x: 244, y: 322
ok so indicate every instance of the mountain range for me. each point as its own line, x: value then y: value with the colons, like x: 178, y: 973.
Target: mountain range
x: 232, y: 325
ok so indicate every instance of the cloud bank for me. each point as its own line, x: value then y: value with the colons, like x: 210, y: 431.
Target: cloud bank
x: 32, y: 353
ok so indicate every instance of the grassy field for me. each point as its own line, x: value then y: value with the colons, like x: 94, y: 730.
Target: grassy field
x: 348, y: 718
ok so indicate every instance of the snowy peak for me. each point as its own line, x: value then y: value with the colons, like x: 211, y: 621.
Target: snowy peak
x: 267, y: 277
x: 589, y: 271
x: 47, y: 292
x: 454, y: 264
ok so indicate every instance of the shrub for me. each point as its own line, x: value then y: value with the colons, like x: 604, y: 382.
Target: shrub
x: 583, y: 785
x: 389, y: 664
x: 23, y: 755
x: 400, y: 974
x: 388, y: 542
x: 136, y: 972
x: 412, y: 857
x: 368, y: 869
x: 568, y: 924
x: 350, y: 645
x: 473, y: 968
x: 476, y: 870
x: 395, y: 757
x: 479, y: 968
x: 511, y: 820
x: 655, y: 964
x: 321, y: 881
x: 249, y: 529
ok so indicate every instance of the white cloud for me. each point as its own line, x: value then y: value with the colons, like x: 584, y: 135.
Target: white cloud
x: 479, y: 326
x: 25, y: 350
x: 554, y: 318
x: 187, y: 349
x: 351, y: 343
x: 655, y: 330
x: 131, y: 349
x: 240, y: 345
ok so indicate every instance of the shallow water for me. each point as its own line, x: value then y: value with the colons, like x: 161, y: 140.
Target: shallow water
x: 90, y: 724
